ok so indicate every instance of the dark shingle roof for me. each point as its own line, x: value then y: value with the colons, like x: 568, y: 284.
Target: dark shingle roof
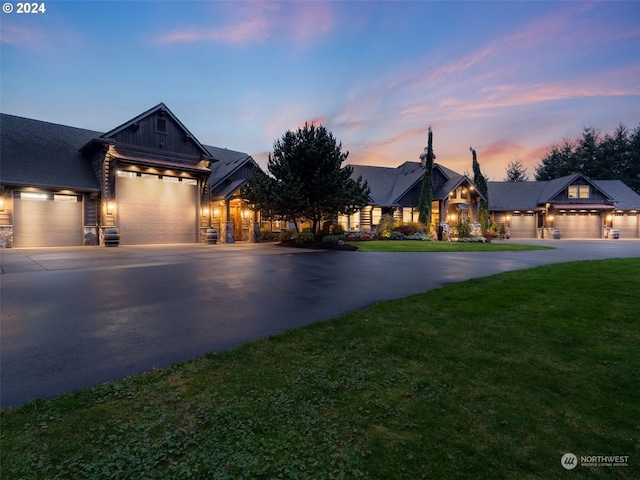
x: 505, y: 196
x: 624, y: 198
x: 381, y: 181
x: 388, y: 185
x: 228, y: 161
x: 44, y: 154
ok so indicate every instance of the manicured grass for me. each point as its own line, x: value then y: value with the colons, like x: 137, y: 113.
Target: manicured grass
x: 418, y: 246
x: 491, y: 378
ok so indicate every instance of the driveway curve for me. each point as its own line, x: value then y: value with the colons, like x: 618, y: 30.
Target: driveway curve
x: 77, y: 317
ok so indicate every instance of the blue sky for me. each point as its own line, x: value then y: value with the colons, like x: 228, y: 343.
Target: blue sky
x: 508, y: 78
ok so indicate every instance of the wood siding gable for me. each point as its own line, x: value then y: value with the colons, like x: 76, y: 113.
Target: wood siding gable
x: 596, y: 195
x: 159, y: 130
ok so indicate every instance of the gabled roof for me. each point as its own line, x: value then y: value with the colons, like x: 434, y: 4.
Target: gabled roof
x: 557, y: 185
x: 160, y: 107
x: 228, y: 162
x: 381, y: 181
x: 504, y: 196
x: 388, y: 185
x: 43, y: 154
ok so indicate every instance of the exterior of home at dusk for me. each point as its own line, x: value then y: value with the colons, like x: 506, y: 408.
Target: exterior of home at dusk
x: 150, y: 177
x: 396, y: 191
x: 154, y: 181
x: 573, y: 206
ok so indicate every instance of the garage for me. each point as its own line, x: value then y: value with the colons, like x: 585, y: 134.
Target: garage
x: 156, y: 209
x: 44, y: 219
x: 627, y: 224
x: 579, y: 224
x: 523, y: 225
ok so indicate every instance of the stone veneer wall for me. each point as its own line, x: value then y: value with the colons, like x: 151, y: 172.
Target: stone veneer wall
x: 6, y: 236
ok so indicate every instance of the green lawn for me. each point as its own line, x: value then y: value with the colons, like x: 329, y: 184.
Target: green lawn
x: 418, y: 246
x: 487, y: 379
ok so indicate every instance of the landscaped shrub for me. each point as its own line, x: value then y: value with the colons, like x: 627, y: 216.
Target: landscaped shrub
x: 419, y: 226
x: 336, y: 229
x: 406, y: 229
x: 385, y: 227
x: 472, y: 240
x: 464, y: 228
x: 419, y: 236
x: 397, y: 236
x: 489, y: 235
x: 305, y: 237
x: 266, y: 235
x: 365, y: 236
x: 286, y: 235
x: 333, y: 239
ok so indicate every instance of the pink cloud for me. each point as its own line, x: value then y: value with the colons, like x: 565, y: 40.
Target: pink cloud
x: 312, y: 20
x: 260, y: 21
x: 22, y: 37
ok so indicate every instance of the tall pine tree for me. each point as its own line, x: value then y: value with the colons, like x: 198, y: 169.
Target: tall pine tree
x: 426, y: 192
x: 481, y: 185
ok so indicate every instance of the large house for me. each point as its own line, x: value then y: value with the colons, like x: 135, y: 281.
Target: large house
x: 573, y: 206
x: 396, y: 192
x: 155, y: 182
x: 149, y: 177
x: 569, y: 207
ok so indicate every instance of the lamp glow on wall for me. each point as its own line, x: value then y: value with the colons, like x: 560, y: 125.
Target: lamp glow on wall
x: 205, y: 211
x: 1, y: 204
x: 111, y: 208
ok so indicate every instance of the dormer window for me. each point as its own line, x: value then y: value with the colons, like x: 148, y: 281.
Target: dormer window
x: 579, y: 191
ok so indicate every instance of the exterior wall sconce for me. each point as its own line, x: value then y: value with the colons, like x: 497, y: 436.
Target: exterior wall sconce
x: 1, y: 204
x: 216, y: 212
x: 205, y: 212
x: 111, y: 208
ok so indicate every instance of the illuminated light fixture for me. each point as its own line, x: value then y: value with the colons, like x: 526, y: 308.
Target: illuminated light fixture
x: 550, y: 218
x: 111, y: 207
x: 205, y: 211
x: 1, y: 204
x: 216, y: 212
x: 609, y: 218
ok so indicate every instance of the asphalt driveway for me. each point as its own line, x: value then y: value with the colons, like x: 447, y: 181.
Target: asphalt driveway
x: 77, y: 317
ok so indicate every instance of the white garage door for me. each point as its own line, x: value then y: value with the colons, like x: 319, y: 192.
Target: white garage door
x: 156, y: 210
x: 627, y: 223
x: 47, y: 220
x: 579, y: 225
x: 523, y: 225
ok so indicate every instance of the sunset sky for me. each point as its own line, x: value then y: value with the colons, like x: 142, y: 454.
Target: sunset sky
x: 508, y: 78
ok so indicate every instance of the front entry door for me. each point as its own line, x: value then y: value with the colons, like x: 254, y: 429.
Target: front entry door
x: 235, y: 212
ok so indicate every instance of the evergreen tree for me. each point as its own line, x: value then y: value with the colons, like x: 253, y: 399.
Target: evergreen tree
x: 612, y: 157
x: 426, y: 192
x: 516, y: 171
x: 481, y: 185
x: 305, y: 179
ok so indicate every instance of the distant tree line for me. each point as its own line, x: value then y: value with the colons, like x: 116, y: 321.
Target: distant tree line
x: 608, y: 157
